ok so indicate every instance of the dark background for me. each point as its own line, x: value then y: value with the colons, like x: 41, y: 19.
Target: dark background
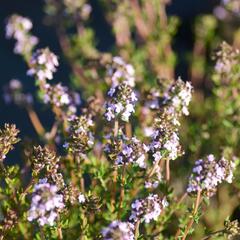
x: 12, y: 66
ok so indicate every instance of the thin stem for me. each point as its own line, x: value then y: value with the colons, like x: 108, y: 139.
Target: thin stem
x: 122, y: 193
x: 212, y: 234
x: 116, y: 126
x: 28, y: 187
x: 167, y: 170
x: 139, y: 21
x: 60, y: 235
x: 36, y: 122
x: 128, y: 129
x: 190, y: 223
x: 114, y: 188
x: 42, y: 234
x: 115, y: 132
x: 53, y: 131
x: 136, y: 233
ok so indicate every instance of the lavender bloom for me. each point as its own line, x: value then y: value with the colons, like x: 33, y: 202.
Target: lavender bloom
x: 46, y: 203
x: 18, y: 27
x: 148, y: 209
x: 121, y: 104
x: 43, y: 64
x: 208, y: 173
x: 118, y: 230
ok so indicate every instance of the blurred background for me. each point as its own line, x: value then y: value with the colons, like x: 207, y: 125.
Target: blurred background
x: 14, y: 67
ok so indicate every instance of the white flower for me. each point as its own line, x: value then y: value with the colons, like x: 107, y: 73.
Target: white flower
x: 81, y: 198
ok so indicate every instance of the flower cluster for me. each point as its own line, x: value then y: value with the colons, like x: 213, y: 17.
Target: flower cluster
x: 147, y: 209
x: 173, y: 101
x: 122, y: 97
x: 43, y: 64
x: 80, y: 136
x: 119, y: 72
x: 227, y: 58
x: 8, y: 137
x: 18, y: 27
x: 60, y: 97
x: 46, y: 203
x: 208, y: 173
x: 118, y: 230
x: 133, y: 151
x: 46, y: 159
x: 180, y: 95
x: 165, y: 141
x: 13, y: 93
x: 121, y: 103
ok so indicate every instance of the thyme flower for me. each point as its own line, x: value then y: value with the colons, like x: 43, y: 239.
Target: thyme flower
x: 118, y: 230
x: 122, y: 102
x: 119, y: 72
x: 46, y: 203
x: 133, y: 151
x: 208, y: 173
x: 147, y: 209
x: 43, y: 64
x: 18, y: 27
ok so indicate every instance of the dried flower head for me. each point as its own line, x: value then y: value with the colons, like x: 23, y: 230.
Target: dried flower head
x: 10, y: 219
x: 118, y: 230
x: 80, y: 136
x: 147, y: 209
x: 46, y: 203
x: 208, y: 173
x: 18, y: 27
x: 232, y: 229
x: 43, y: 64
x: 72, y: 195
x: 44, y: 159
x: 8, y: 137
